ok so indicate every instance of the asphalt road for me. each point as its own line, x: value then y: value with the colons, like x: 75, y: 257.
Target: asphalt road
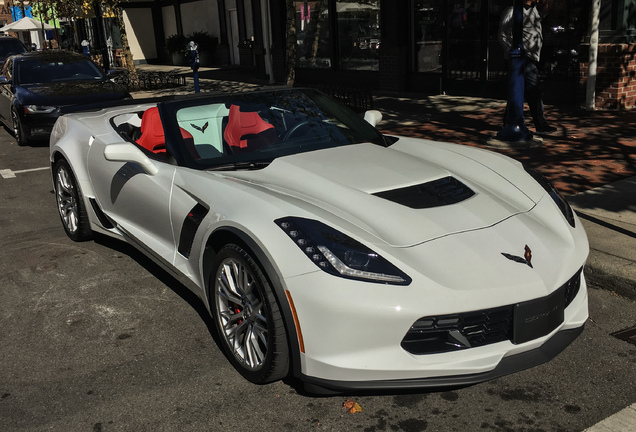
x: 94, y: 337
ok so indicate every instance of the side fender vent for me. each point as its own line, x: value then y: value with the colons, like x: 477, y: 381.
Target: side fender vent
x: 440, y: 192
x: 189, y: 229
x: 103, y: 219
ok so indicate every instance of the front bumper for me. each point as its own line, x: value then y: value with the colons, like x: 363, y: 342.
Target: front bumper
x: 38, y: 126
x: 354, y: 343
x: 514, y: 363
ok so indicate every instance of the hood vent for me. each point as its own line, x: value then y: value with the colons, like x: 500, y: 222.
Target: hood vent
x: 440, y: 192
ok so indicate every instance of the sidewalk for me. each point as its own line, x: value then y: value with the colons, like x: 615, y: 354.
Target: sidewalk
x: 591, y: 158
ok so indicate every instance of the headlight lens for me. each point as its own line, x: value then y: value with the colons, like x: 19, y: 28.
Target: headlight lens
x: 563, y: 205
x: 39, y: 109
x: 338, y: 254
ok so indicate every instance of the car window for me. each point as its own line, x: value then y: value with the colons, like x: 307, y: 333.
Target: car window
x: 9, y: 47
x: 35, y: 70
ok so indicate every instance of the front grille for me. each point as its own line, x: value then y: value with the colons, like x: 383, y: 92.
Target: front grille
x: 445, y: 333
x: 440, y: 192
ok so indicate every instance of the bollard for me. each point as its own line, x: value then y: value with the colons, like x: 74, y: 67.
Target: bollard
x: 86, y: 48
x: 514, y: 128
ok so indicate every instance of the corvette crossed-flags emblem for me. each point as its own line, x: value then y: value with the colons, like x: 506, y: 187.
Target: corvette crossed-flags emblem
x: 200, y: 128
x: 526, y: 259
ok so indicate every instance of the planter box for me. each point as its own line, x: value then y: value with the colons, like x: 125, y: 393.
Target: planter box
x: 178, y: 59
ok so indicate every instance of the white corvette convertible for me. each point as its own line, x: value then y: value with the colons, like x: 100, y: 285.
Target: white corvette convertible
x: 325, y: 250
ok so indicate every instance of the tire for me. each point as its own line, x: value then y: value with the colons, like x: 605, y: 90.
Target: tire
x: 70, y: 203
x: 18, y: 130
x: 247, y: 317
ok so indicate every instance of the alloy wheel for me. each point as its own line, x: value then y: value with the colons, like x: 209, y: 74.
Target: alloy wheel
x: 241, y: 313
x: 66, y: 199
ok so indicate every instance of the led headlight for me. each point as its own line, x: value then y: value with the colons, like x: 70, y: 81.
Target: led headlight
x: 563, y: 205
x: 338, y: 254
x: 39, y: 109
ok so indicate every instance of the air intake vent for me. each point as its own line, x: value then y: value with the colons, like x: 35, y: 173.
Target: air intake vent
x: 444, y: 333
x: 441, y: 192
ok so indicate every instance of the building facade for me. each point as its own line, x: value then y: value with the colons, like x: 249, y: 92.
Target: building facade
x: 423, y: 46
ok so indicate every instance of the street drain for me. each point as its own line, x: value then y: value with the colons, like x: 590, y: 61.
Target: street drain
x: 628, y: 335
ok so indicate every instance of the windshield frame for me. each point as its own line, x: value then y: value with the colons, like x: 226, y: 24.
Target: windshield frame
x: 333, y: 125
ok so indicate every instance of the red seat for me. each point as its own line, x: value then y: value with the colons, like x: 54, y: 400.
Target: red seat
x: 247, y: 131
x: 152, y: 136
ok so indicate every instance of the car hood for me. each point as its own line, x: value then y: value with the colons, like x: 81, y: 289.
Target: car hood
x: 70, y: 93
x: 393, y: 194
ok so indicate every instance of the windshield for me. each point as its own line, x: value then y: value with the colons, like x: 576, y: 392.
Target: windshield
x: 261, y: 126
x: 9, y: 47
x: 40, y: 70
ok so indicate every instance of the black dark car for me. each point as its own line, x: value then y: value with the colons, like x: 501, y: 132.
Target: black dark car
x: 33, y: 87
x: 10, y: 46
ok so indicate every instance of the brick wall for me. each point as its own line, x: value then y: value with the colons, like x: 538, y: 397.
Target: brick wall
x: 616, y: 76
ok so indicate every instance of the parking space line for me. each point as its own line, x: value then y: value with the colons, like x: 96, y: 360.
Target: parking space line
x: 624, y: 420
x: 7, y: 173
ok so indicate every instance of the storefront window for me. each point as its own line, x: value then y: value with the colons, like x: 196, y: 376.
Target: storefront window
x: 464, y: 39
x: 359, y: 34
x: 313, y: 49
x: 429, y: 33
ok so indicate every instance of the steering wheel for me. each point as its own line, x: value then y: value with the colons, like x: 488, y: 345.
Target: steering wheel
x: 294, y: 129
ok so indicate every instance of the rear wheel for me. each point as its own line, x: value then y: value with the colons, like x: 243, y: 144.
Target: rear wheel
x: 70, y: 204
x: 247, y: 317
x: 18, y: 130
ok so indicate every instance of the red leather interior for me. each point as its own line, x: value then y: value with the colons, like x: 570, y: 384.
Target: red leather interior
x: 247, y: 130
x: 152, y: 136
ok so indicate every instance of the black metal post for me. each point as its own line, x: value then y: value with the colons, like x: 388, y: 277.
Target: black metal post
x: 514, y: 128
x: 101, y: 37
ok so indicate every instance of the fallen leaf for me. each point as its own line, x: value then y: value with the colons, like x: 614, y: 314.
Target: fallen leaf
x: 351, y: 406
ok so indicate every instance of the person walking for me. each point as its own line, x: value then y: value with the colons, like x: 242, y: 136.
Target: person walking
x: 532, y: 40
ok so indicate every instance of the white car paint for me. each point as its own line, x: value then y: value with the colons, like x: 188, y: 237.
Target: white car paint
x: 351, y: 329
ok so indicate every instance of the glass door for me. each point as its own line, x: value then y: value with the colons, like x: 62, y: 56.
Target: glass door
x: 466, y: 58
x: 428, y: 35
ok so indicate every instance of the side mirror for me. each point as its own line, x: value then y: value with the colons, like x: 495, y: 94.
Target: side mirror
x: 373, y: 117
x: 129, y: 153
x: 4, y: 80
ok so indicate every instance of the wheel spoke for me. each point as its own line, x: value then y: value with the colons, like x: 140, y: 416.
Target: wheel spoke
x: 231, y: 319
x: 227, y: 286
x: 260, y: 330
x: 252, y: 347
x: 239, y: 336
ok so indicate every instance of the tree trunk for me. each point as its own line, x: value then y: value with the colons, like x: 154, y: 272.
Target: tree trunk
x: 590, y: 99
x: 314, y: 51
x: 290, y: 43
x: 130, y: 65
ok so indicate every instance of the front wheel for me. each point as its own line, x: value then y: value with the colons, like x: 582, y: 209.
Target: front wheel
x: 247, y: 317
x: 70, y: 203
x: 18, y: 130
